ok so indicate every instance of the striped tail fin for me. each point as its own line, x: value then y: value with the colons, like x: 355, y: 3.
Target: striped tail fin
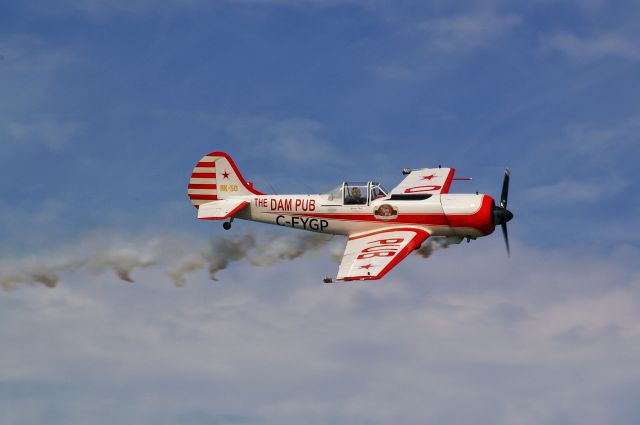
x: 215, y: 177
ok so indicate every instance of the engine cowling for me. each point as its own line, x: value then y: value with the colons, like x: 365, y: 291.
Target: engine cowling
x: 469, y: 215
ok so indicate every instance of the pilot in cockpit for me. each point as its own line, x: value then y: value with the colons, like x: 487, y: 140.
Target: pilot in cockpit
x: 355, y: 197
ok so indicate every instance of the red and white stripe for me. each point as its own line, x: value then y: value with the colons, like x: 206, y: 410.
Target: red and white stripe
x: 202, y: 185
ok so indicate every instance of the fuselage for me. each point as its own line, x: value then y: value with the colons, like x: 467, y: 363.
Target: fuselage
x: 450, y: 215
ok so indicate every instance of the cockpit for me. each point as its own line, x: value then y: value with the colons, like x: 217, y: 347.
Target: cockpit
x: 356, y: 193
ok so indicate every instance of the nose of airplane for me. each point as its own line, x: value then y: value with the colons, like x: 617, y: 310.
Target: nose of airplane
x: 501, y: 215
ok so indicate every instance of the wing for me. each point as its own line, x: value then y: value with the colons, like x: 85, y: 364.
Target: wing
x: 370, y: 255
x: 425, y: 181
x: 221, y: 209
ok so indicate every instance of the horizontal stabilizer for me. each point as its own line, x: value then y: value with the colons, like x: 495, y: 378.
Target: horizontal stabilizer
x: 221, y: 209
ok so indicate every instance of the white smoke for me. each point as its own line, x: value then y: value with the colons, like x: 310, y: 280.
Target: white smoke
x: 436, y: 243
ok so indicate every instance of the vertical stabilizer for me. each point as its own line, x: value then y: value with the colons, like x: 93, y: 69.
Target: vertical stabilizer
x: 215, y: 177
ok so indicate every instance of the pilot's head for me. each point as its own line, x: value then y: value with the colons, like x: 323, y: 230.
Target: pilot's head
x: 355, y: 192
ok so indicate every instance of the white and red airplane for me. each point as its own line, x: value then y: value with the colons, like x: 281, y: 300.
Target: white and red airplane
x: 383, y: 226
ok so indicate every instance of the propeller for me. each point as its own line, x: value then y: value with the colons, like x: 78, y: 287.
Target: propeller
x: 501, y: 215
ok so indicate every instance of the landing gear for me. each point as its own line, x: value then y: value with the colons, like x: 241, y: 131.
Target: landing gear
x: 227, y: 224
x: 327, y: 280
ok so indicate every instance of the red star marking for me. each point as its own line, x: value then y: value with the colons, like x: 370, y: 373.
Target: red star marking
x: 367, y: 266
x: 428, y: 177
x: 225, y: 175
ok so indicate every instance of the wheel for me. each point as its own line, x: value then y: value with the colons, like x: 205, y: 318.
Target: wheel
x: 327, y: 280
x: 226, y: 225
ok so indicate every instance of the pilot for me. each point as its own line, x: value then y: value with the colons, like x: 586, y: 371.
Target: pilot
x: 355, y: 198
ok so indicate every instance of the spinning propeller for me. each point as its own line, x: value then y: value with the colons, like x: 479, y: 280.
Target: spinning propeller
x: 501, y: 215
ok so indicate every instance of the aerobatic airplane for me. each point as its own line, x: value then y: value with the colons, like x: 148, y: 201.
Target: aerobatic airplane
x: 383, y: 226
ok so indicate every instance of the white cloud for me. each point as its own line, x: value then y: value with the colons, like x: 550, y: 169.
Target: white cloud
x: 393, y: 72
x: 98, y: 9
x: 295, y: 141
x: 468, y: 31
x: 544, y: 336
x: 28, y: 72
x: 567, y: 191
x: 596, y: 47
x: 604, y: 145
x: 54, y: 133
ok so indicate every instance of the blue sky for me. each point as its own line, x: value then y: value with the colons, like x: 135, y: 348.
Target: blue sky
x: 108, y: 104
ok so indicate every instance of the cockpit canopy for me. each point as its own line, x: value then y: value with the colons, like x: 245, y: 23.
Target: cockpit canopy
x: 356, y: 193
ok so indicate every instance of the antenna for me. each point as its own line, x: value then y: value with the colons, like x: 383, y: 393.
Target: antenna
x: 272, y: 189
x: 306, y: 185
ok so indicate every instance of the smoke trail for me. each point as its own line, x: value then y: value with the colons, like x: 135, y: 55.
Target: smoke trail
x: 187, y: 265
x: 258, y: 251
x: 435, y: 244
x: 288, y: 248
x: 47, y: 279
x: 97, y: 255
x: 87, y: 256
x: 177, y: 255
x: 222, y: 251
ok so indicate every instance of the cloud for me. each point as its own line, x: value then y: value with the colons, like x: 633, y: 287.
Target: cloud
x: 393, y: 72
x: 600, y: 141
x: 568, y: 191
x: 29, y: 69
x: 607, y: 45
x: 467, y: 31
x: 295, y: 141
x: 98, y: 9
x: 53, y: 133
x: 608, y: 147
x: 549, y: 334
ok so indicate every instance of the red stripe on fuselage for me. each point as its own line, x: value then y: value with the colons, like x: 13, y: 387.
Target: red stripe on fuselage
x: 480, y: 220
x: 435, y: 219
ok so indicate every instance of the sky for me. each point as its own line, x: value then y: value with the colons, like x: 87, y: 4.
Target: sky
x: 106, y: 107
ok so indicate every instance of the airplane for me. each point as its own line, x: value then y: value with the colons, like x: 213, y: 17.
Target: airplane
x: 382, y: 226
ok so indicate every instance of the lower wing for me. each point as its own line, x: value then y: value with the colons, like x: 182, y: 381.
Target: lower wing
x: 370, y: 255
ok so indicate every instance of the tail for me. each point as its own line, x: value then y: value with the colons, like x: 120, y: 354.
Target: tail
x: 217, y: 177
